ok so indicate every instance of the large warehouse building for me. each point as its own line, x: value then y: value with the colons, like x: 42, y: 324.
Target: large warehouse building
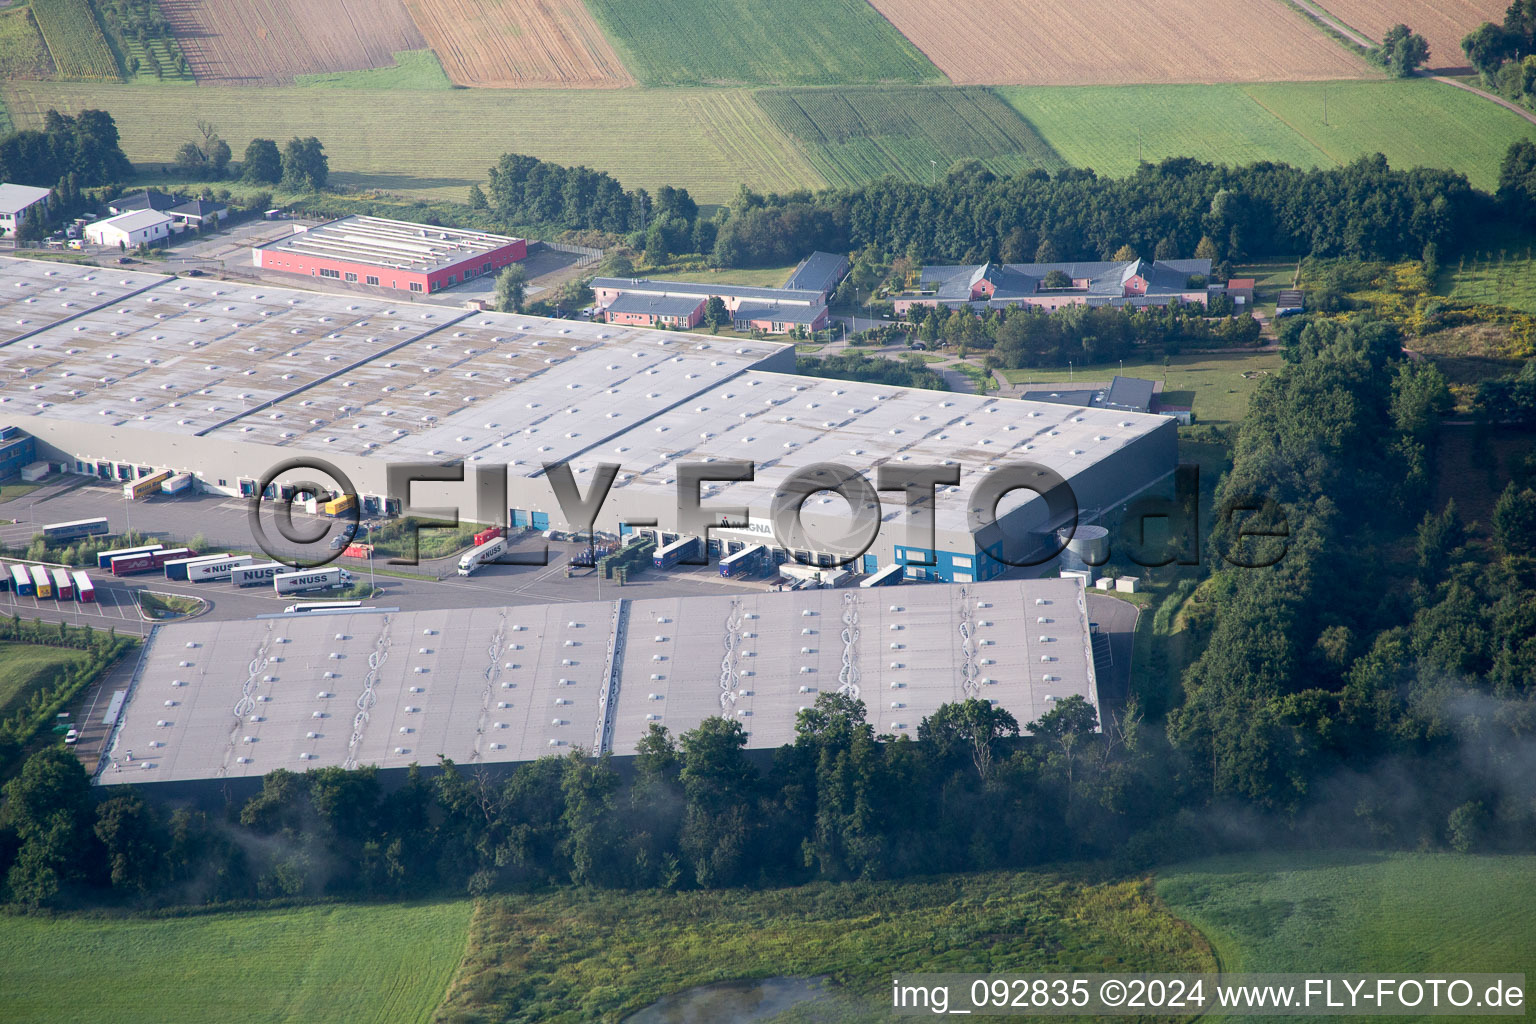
x: 395, y: 254
x: 119, y: 375
x: 510, y: 684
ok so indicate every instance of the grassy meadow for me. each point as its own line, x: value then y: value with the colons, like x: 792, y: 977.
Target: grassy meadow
x: 1399, y: 913
x: 22, y: 53
x: 738, y: 42
x: 388, y: 964
x: 1413, y: 122
x: 413, y: 69
x: 854, y: 135
x: 1504, y: 277
x: 1215, y: 384
x: 27, y: 668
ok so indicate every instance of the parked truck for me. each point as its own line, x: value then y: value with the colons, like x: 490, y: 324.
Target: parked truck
x: 147, y: 561
x: 337, y: 506
x: 206, y: 570
x: 304, y: 580
x: 482, y: 554
x: 489, y: 534
x: 181, y: 483
x: 260, y: 572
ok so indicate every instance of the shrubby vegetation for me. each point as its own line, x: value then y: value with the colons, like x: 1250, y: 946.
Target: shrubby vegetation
x: 871, y: 369
x: 1505, y: 52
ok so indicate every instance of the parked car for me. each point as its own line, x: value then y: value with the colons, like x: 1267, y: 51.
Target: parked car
x: 194, y: 272
x: 126, y: 259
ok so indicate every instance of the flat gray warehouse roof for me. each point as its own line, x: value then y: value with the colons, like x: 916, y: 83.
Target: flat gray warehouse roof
x: 215, y: 700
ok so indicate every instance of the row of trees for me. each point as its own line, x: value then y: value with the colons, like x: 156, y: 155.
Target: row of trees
x: 1021, y: 336
x: 526, y: 190
x: 1504, y: 53
x: 300, y: 164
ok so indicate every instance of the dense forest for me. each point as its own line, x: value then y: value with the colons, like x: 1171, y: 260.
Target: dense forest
x: 1173, y: 209
x: 1375, y: 686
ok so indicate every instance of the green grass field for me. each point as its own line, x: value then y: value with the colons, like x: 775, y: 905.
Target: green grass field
x: 710, y: 141
x: 74, y: 39
x: 27, y: 668
x: 1414, y: 122
x: 1216, y: 384
x: 853, y: 135
x: 721, y: 42
x: 413, y: 69
x: 1404, y: 913
x: 1502, y: 278
x: 317, y: 965
x: 22, y: 53
x: 582, y: 956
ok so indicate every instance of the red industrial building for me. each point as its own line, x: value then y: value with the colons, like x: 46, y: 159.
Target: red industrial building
x: 392, y: 254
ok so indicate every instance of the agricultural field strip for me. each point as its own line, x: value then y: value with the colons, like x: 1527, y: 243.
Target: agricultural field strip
x: 23, y: 54
x: 74, y: 40
x: 454, y: 144
x: 853, y: 135
x: 722, y: 42
x: 270, y: 41
x: 519, y: 43
x: 1044, y: 42
x: 1442, y: 22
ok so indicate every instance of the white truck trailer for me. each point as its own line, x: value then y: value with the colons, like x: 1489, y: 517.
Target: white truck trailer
x: 476, y: 557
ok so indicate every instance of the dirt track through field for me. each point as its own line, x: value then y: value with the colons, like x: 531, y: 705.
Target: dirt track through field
x: 519, y: 43
x: 267, y: 42
x: 1443, y: 23
x: 1108, y: 42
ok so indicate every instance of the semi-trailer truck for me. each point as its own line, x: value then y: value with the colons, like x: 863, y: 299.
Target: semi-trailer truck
x: 481, y: 555
x: 302, y: 581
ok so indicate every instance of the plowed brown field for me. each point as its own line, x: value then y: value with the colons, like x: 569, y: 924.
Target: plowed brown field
x: 519, y: 43
x: 264, y: 42
x: 1443, y: 22
x: 1110, y: 42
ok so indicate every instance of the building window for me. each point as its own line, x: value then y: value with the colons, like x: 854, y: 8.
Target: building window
x: 370, y: 279
x: 415, y: 286
x: 352, y: 278
x: 329, y: 273
x: 485, y: 268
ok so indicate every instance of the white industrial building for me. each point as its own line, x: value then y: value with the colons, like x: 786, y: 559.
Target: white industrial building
x: 118, y: 374
x: 15, y: 201
x: 499, y: 685
x: 128, y: 230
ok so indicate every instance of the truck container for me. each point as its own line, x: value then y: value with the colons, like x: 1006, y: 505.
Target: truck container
x: 148, y: 561
x: 304, y: 580
x: 668, y: 556
x: 104, y: 558
x: 744, y: 562
x: 336, y: 506
x: 358, y: 551
x: 63, y: 585
x: 21, y: 580
x: 490, y: 534
x: 206, y: 570
x: 75, y: 529
x: 42, y: 584
x: 176, y: 568
x: 481, y: 554
x: 85, y: 590
x: 181, y: 483
x: 144, y: 486
x: 261, y: 572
